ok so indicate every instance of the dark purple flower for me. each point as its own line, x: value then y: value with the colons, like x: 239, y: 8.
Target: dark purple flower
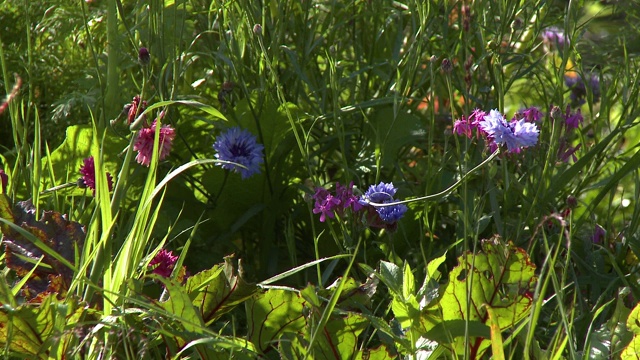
x: 531, y: 114
x: 143, y: 56
x: 578, y: 87
x: 144, y: 143
x: 163, y: 263
x: 239, y: 146
x: 88, y: 171
x: 573, y: 121
x: 566, y: 151
x: 346, y: 197
x: 599, y: 235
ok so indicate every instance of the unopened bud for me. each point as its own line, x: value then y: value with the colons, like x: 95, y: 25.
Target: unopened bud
x: 556, y: 113
x: 143, y: 56
x: 257, y: 29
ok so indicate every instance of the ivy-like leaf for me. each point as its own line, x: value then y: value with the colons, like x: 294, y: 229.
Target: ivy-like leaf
x: 501, y: 276
x: 218, y: 290
x: 62, y: 237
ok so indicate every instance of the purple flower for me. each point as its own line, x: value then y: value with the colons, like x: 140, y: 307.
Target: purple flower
x: 325, y: 204
x: 599, y: 234
x: 572, y: 121
x: 384, y: 193
x: 144, y: 143
x: 531, y: 114
x: 516, y: 134
x: 88, y: 171
x: 240, y: 147
x: 346, y: 197
x: 163, y: 263
x: 462, y: 127
x: 578, y: 88
x: 553, y: 36
x: 143, y: 56
x: 566, y: 151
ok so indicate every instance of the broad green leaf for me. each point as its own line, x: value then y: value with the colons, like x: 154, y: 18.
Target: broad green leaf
x: 38, y: 330
x: 272, y: 314
x: 406, y: 311
x: 338, y: 340
x: 391, y: 275
x: 180, y: 305
x: 218, y: 290
x: 632, y: 351
x: 501, y: 276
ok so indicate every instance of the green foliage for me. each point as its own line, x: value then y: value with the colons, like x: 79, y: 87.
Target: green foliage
x: 358, y: 92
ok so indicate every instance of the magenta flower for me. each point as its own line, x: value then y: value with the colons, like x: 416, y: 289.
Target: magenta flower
x: 599, y: 234
x: 144, y: 143
x: 328, y: 205
x: 462, y: 127
x: 135, y: 108
x: 88, y: 179
x: 163, y: 263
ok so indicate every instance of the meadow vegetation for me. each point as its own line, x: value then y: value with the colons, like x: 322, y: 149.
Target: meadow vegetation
x: 319, y: 179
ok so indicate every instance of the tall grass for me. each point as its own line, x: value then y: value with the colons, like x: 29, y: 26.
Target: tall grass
x: 337, y: 92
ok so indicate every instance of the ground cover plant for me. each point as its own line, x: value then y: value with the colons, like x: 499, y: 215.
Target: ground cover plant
x: 319, y: 179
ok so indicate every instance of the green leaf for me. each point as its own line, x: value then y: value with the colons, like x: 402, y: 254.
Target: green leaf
x: 391, y: 275
x: 180, y: 305
x: 501, y: 276
x: 394, y: 131
x: 272, y: 314
x: 38, y: 330
x: 218, y: 290
x: 408, y: 282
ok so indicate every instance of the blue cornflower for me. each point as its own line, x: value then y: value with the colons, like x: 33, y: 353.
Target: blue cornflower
x: 239, y: 146
x: 383, y: 193
x: 516, y: 134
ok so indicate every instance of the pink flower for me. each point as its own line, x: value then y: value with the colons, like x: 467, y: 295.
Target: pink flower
x: 163, y: 263
x: 144, y: 143
x: 88, y: 179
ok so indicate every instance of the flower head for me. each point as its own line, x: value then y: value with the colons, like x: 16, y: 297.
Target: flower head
x: 515, y: 134
x: 553, y: 36
x: 163, y: 263
x: 144, y: 143
x: 578, y: 87
x: 531, y: 114
x: 239, y: 146
x: 143, y: 56
x: 88, y: 171
x: 381, y: 194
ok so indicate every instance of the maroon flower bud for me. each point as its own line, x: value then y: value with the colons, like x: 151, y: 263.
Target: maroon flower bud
x: 143, y: 56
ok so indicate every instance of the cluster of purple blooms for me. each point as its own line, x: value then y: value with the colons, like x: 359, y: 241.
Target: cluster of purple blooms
x: 555, y: 37
x: 239, y: 146
x: 520, y: 132
x: 578, y: 87
x: 328, y: 205
x: 571, y: 121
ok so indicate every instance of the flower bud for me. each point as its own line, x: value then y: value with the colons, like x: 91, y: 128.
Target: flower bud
x: 257, y: 29
x: 143, y: 56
